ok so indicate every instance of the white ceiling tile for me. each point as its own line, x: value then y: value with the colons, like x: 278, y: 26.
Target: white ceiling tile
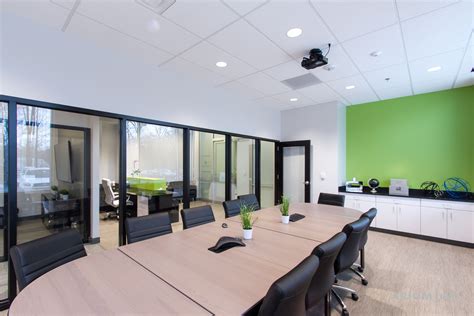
x: 200, y: 17
x: 286, y: 70
x: 243, y: 7
x: 388, y: 41
x: 275, y: 18
x: 207, y: 55
x: 351, y: 18
x: 284, y: 98
x: 343, y: 66
x: 41, y: 11
x: 131, y: 18
x: 409, y: 8
x: 398, y: 76
x: 269, y: 102
x: 241, y: 90
x: 431, y: 86
x: 320, y: 93
x: 264, y: 84
x: 394, y: 92
x: 362, y: 93
x: 189, y: 69
x: 243, y: 41
x: 439, y: 31
x: 465, y: 76
x: 464, y: 80
x: 449, y: 63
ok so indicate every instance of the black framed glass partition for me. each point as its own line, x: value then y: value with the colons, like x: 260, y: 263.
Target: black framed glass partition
x: 3, y: 200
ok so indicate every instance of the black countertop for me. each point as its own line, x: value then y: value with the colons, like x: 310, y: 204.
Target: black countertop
x: 412, y: 193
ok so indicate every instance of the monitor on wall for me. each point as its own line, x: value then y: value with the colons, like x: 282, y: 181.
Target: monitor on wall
x: 62, y: 155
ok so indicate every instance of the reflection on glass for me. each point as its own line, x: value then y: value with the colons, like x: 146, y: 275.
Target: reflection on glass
x: 267, y: 169
x: 207, y: 185
x: 3, y: 206
x: 155, y: 168
x: 243, y: 166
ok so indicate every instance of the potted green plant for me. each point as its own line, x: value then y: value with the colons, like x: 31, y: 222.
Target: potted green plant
x: 64, y: 194
x: 54, y: 191
x: 285, y: 210
x: 246, y: 218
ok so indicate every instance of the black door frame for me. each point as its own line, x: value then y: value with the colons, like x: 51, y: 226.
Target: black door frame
x: 279, y: 167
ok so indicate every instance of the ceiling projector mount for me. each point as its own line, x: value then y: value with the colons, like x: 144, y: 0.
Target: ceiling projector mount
x: 315, y: 59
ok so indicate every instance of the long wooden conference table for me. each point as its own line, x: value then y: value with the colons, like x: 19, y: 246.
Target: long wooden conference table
x: 177, y: 274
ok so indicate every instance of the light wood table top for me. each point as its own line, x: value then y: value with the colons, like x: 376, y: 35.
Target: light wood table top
x: 227, y: 283
x: 321, y: 222
x: 106, y: 283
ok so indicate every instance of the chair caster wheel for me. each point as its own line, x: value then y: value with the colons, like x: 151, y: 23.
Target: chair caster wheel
x: 345, y: 312
x: 360, y: 269
x: 335, y: 281
x: 355, y: 297
x: 365, y: 282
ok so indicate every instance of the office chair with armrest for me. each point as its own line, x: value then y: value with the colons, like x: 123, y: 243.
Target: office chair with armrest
x: 250, y: 200
x: 370, y: 214
x: 232, y: 208
x: 323, y: 279
x: 149, y: 226
x: 197, y: 216
x: 331, y: 199
x: 112, y: 198
x: 348, y: 256
x: 34, y: 258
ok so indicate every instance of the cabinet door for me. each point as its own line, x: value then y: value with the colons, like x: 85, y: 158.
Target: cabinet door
x: 408, y: 218
x: 364, y: 206
x: 386, y: 216
x: 433, y: 222
x: 349, y: 202
x: 460, y: 225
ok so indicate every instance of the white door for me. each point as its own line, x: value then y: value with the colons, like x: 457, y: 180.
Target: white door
x: 244, y: 147
x: 433, y: 221
x: 386, y: 216
x: 460, y: 225
x: 408, y: 218
x: 293, y: 173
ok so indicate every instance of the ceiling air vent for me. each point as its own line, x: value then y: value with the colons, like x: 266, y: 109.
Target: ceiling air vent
x: 158, y: 6
x: 302, y: 81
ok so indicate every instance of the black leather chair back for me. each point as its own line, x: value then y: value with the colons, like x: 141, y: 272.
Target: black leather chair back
x: 34, y: 258
x: 232, y: 207
x: 250, y: 200
x: 331, y: 199
x: 350, y: 251
x: 323, y: 279
x: 370, y: 214
x: 197, y: 216
x: 287, y: 295
x: 145, y: 227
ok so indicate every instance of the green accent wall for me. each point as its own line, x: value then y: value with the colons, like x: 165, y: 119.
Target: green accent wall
x: 419, y: 138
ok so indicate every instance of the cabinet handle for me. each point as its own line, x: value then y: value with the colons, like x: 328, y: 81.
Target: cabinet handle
x: 442, y: 213
x: 451, y: 216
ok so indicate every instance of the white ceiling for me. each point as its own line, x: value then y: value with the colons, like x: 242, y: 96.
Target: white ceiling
x: 250, y: 36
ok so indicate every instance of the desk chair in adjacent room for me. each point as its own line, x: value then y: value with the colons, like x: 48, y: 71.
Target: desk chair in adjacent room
x: 321, y: 284
x: 197, y: 216
x: 145, y: 227
x: 112, y: 198
x: 34, y: 258
x: 286, y: 295
x: 370, y: 214
x: 348, y: 256
x: 250, y: 200
x: 232, y: 208
x: 331, y: 199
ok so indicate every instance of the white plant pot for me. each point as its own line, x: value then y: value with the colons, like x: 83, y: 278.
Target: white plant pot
x: 248, y: 233
x: 285, y: 219
x: 64, y: 196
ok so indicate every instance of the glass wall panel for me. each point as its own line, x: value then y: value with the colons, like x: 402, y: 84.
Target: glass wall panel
x: 267, y: 174
x: 3, y: 198
x: 155, y: 168
x: 243, y: 166
x: 207, y: 158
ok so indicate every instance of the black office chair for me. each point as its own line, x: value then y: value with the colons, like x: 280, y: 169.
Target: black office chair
x: 34, y: 258
x: 286, y: 295
x: 232, y: 208
x: 370, y: 214
x: 331, y: 199
x: 250, y: 200
x: 145, y: 227
x: 197, y: 216
x: 348, y: 256
x: 323, y: 279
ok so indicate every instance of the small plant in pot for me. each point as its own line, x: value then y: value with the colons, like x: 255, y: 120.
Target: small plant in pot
x: 54, y: 191
x: 285, y: 210
x: 246, y: 217
x: 64, y: 194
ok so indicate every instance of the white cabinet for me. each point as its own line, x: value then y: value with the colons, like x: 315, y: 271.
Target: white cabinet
x: 433, y: 222
x: 361, y: 203
x: 408, y: 219
x: 460, y: 225
x: 386, y: 216
x: 401, y: 214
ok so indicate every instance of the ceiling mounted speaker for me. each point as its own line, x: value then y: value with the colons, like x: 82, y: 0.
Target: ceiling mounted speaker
x: 158, y: 6
x: 300, y: 82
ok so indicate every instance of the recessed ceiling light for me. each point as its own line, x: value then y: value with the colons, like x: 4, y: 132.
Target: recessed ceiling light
x: 221, y: 64
x: 294, y: 99
x: 376, y: 53
x: 295, y: 32
x: 435, y: 68
x: 153, y: 25
x: 350, y: 87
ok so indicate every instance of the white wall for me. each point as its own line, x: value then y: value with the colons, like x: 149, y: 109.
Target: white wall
x: 41, y: 62
x: 324, y: 125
